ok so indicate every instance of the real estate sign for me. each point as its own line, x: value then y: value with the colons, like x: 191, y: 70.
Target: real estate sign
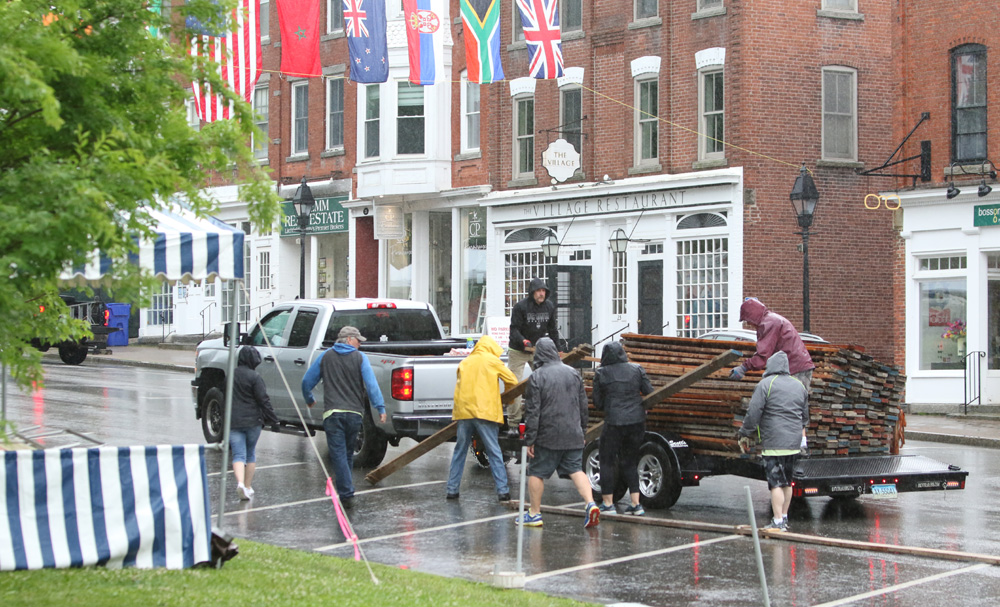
x: 327, y: 216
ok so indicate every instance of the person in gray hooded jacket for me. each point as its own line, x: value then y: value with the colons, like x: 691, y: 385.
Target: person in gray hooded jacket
x: 555, y: 418
x: 618, y: 390
x: 778, y: 414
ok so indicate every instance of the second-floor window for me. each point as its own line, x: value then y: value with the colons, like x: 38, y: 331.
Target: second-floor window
x: 300, y: 117
x: 410, y: 119
x: 264, y: 17
x: 841, y: 5
x: 334, y: 15
x: 572, y: 117
x: 524, y: 136
x: 645, y: 9
x: 646, y: 123
x: 712, y: 112
x: 570, y: 15
x: 372, y: 114
x: 260, y: 102
x: 470, y: 115
x: 968, y: 115
x: 335, y: 113
x: 840, y: 131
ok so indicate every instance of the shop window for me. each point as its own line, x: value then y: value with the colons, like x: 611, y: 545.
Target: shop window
x: 840, y: 106
x: 519, y: 269
x: 968, y: 116
x: 993, y: 310
x: 161, y: 312
x: 712, y: 115
x: 702, y: 285
x: 400, y: 262
x: 942, y: 323
x: 300, y: 117
x: 410, y: 119
x: 619, y: 283
x: 473, y: 271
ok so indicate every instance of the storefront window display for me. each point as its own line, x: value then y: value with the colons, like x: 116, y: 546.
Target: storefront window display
x: 399, y: 260
x: 440, y: 268
x: 943, y: 317
x: 993, y: 311
x: 332, y: 265
x: 473, y: 271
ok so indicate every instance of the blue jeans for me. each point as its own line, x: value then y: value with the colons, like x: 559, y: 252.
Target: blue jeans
x: 244, y: 444
x: 341, y: 437
x: 487, y: 432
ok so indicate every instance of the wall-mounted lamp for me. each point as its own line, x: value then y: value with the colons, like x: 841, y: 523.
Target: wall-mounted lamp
x: 619, y: 241
x: 983, y: 188
x: 551, y: 244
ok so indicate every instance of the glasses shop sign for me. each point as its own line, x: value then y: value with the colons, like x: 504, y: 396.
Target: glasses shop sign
x: 327, y: 217
x: 986, y: 215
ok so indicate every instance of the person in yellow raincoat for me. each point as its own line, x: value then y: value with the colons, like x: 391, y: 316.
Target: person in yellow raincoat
x: 478, y: 410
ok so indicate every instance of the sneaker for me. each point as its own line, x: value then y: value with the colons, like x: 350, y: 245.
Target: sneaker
x: 785, y: 523
x: 636, y: 510
x: 503, y: 497
x: 593, y: 515
x: 530, y: 520
x: 451, y: 496
x: 608, y: 508
x: 347, y: 502
x: 249, y: 491
x: 242, y: 492
x: 772, y: 526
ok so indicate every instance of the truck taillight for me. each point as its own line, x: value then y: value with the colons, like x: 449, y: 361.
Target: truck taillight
x: 402, y: 383
x: 381, y: 306
x: 107, y: 315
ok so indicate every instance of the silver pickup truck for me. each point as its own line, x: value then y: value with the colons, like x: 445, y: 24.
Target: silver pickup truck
x: 405, y: 347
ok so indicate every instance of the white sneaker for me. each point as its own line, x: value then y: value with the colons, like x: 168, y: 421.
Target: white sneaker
x: 243, y: 492
x: 249, y: 492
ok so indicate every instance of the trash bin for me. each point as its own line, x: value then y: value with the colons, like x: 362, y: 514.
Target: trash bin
x: 118, y: 318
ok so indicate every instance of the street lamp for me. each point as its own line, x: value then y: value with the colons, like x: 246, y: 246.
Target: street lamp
x: 804, y: 197
x: 303, y: 201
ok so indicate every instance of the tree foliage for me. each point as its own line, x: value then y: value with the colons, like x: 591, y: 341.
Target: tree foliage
x: 93, y: 128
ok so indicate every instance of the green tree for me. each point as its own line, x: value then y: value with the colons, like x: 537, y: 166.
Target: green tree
x: 93, y: 129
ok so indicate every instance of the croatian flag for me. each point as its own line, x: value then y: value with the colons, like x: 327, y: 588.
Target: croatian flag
x: 422, y: 27
x: 364, y: 23
x: 237, y: 54
x: 540, y: 19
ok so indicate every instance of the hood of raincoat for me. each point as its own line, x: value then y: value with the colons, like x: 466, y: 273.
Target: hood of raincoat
x: 778, y: 363
x: 537, y: 283
x: 248, y: 357
x: 613, y: 353
x: 753, y: 311
x: 487, y: 345
x: 545, y: 352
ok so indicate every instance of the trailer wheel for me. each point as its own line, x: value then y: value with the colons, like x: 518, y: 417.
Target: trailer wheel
x: 372, y: 443
x: 659, y: 481
x: 212, y: 414
x: 72, y: 353
x: 478, y: 452
x: 592, y: 468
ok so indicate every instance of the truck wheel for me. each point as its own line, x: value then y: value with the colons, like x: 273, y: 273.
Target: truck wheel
x: 659, y: 481
x: 73, y: 354
x: 372, y: 443
x: 592, y: 468
x: 212, y: 414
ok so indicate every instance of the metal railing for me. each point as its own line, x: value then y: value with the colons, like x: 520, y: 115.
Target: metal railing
x: 972, y: 375
x: 203, y: 310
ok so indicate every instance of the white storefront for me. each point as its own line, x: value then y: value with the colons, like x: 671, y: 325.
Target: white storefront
x: 681, y: 272
x: 952, y: 287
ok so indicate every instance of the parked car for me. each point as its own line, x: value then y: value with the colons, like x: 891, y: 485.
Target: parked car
x: 747, y: 335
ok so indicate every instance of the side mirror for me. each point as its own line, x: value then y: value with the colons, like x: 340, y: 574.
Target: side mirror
x: 226, y: 328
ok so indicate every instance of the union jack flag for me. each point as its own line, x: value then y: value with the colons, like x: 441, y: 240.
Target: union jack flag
x: 354, y: 18
x: 540, y: 19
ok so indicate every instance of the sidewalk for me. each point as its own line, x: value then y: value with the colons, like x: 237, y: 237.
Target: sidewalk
x: 972, y: 430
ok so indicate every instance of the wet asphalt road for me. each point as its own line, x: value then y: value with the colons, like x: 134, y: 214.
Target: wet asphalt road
x: 405, y: 521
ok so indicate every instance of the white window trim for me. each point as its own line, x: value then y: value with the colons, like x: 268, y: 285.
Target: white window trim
x: 266, y: 119
x: 637, y: 119
x: 330, y: 29
x: 329, y: 144
x: 265, y: 6
x: 635, y: 12
x: 854, y: 112
x: 299, y: 88
x: 363, y: 119
x: 515, y: 169
x: 398, y: 118
x: 464, y: 146
x: 702, y: 119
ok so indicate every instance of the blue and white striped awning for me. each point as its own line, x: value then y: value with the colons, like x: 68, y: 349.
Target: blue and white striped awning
x: 186, y: 248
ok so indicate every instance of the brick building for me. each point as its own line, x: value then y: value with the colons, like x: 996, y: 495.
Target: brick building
x: 950, y: 254
x: 734, y: 96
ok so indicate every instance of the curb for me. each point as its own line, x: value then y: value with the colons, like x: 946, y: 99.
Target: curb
x: 955, y: 439
x: 122, y: 362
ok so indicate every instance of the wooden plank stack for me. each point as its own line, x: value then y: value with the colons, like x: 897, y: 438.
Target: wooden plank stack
x: 854, y: 400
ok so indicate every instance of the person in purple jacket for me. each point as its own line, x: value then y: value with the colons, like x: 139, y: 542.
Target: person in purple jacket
x: 774, y: 334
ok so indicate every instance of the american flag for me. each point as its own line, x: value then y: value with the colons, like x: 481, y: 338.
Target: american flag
x: 239, y: 58
x: 354, y: 18
x: 540, y: 19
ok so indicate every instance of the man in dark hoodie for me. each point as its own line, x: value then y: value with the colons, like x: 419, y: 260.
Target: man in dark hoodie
x: 531, y: 318
x: 774, y: 334
x: 555, y: 418
x: 618, y: 390
x: 777, y: 415
x: 251, y: 410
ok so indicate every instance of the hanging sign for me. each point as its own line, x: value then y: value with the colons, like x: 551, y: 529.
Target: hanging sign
x: 389, y: 222
x: 986, y: 215
x: 561, y: 160
x: 327, y: 216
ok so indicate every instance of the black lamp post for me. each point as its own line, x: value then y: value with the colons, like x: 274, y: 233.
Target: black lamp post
x: 804, y: 198
x: 303, y: 201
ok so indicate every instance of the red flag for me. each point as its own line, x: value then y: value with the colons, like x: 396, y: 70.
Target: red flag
x: 239, y: 59
x: 299, y: 22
